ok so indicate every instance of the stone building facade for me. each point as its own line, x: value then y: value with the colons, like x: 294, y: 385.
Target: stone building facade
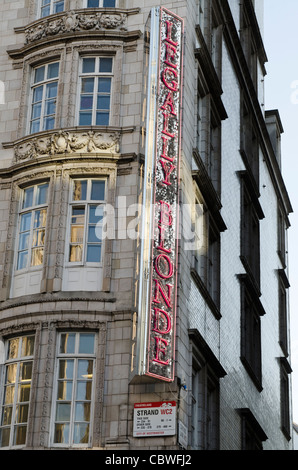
x: 72, y: 160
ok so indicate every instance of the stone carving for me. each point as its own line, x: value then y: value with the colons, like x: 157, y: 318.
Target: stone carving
x: 73, y: 22
x: 67, y: 142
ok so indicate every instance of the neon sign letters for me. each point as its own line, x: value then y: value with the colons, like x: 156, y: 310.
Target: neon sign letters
x: 163, y: 275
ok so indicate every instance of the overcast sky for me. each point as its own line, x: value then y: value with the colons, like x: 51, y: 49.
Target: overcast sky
x: 281, y: 92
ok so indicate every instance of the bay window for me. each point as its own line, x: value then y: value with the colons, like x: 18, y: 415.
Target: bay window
x: 17, y: 389
x: 75, y: 368
x: 85, y: 243
x: 95, y: 91
x: 44, y: 91
x: 32, y: 227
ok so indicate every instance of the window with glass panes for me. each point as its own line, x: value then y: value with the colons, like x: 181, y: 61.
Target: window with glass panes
x: 86, y: 221
x: 17, y: 389
x: 32, y: 226
x: 101, y: 3
x: 74, y: 388
x: 49, y: 7
x: 95, y: 91
x: 44, y: 92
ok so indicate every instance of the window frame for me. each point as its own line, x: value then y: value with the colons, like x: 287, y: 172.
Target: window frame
x: 52, y: 4
x: 96, y: 76
x: 86, y: 203
x: 17, y: 361
x: 33, y: 209
x: 250, y: 232
x: 100, y: 4
x: 75, y: 356
x: 43, y: 83
x: 251, y: 330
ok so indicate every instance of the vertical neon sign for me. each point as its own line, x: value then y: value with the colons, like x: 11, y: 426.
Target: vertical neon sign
x: 164, y: 248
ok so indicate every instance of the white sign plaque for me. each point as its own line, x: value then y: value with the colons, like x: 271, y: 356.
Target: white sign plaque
x: 154, y: 419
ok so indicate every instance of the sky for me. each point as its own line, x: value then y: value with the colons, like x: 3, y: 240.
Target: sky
x: 281, y: 92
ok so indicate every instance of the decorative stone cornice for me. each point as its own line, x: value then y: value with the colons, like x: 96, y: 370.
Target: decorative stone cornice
x: 72, y: 22
x: 66, y: 142
x: 85, y: 23
x: 75, y: 21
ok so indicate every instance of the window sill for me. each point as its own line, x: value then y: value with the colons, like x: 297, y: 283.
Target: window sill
x: 254, y: 377
x: 202, y: 288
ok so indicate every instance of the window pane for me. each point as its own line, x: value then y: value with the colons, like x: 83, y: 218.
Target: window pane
x: 27, y: 346
x: 22, y: 413
x: 45, y: 12
x: 105, y: 65
x: 75, y: 253
x: 86, y: 344
x: 35, y: 126
x: 51, y: 90
x: 85, y: 119
x: 63, y: 412
x: 82, y: 412
x: 59, y: 7
x: 94, y: 253
x: 49, y: 123
x: 104, y: 85
x: 86, y: 102
x: 9, y: 395
x: 78, y: 215
x: 20, y: 435
x: 13, y: 348
x: 25, y: 222
x: 5, y: 434
x: 87, y: 85
x: 26, y: 370
x: 37, y: 257
x: 37, y: 94
x: 81, y: 433
x: 93, y: 3
x: 103, y: 102
x: 102, y: 119
x: 28, y: 198
x: 50, y: 107
x: 84, y: 390
x: 7, y: 414
x: 77, y: 234
x: 22, y: 260
x: 42, y: 194
x: 24, y: 392
x: 64, y: 391
x: 39, y: 74
x: 24, y: 241
x: 95, y: 214
x: 40, y: 218
x: 94, y: 235
x: 109, y: 3
x: 85, y: 369
x: 89, y: 65
x: 61, y: 434
x: 67, y: 344
x: 80, y: 191
x: 36, y: 111
x: 66, y: 369
x: 53, y: 70
x: 11, y: 374
x: 38, y: 238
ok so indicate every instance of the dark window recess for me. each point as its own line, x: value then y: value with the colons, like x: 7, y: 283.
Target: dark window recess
x: 252, y: 434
